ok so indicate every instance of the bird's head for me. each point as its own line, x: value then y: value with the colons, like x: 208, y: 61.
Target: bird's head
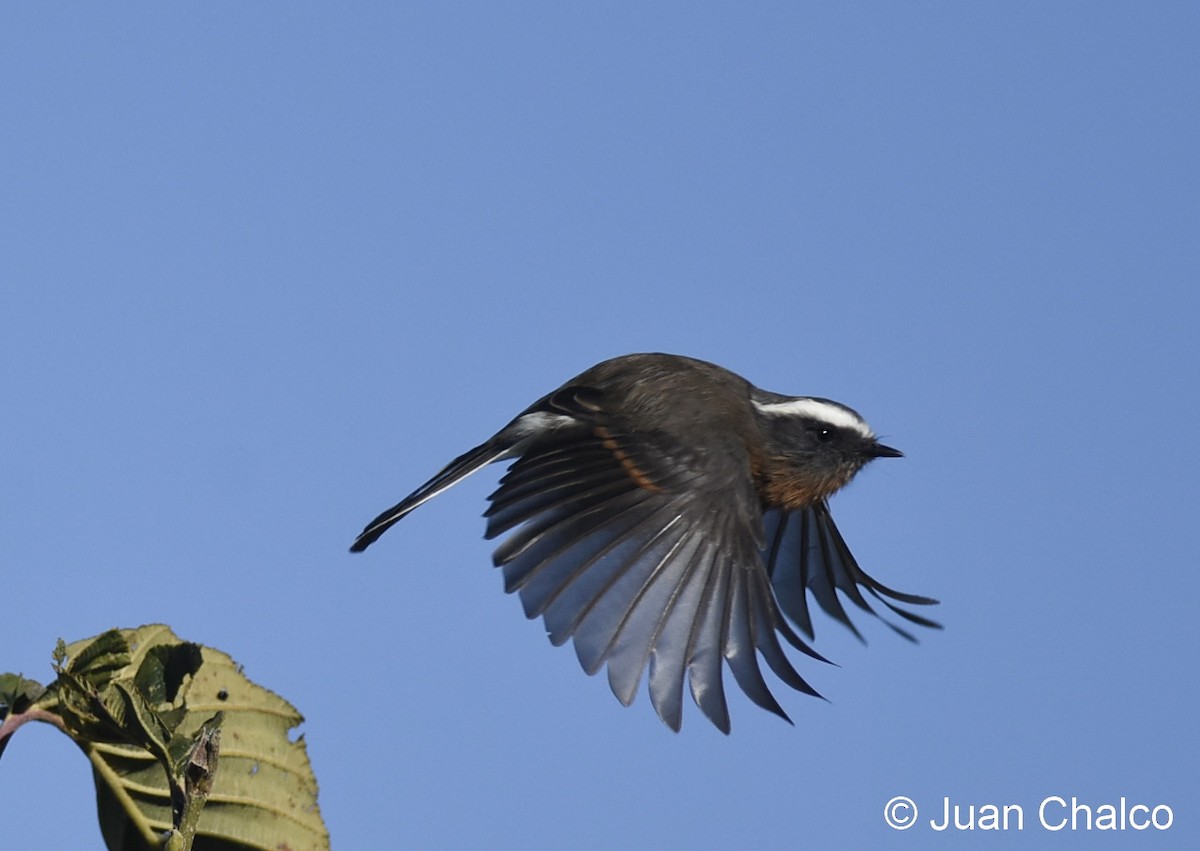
x: 811, y: 447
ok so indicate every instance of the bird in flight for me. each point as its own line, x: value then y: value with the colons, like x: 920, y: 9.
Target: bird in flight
x: 667, y: 514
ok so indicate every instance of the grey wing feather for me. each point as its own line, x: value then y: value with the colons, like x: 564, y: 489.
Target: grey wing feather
x: 805, y: 553
x: 639, y: 572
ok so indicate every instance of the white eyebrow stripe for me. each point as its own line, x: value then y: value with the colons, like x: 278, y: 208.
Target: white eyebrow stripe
x: 818, y: 409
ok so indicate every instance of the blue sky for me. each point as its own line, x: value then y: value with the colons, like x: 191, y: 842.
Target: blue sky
x: 266, y: 267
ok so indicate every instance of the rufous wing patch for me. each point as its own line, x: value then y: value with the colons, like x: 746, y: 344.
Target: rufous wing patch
x: 639, y: 476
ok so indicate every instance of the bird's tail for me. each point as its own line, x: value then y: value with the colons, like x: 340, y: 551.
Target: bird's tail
x: 454, y: 472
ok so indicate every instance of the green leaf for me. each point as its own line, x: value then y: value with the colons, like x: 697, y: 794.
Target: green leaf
x: 186, y: 751
x: 17, y: 694
x: 99, y: 658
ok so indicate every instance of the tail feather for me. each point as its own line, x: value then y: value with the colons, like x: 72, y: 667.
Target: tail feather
x: 453, y: 473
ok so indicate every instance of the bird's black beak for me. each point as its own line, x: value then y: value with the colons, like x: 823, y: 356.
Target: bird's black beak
x: 878, y: 450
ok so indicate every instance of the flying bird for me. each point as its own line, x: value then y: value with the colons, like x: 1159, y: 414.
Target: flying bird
x: 667, y: 514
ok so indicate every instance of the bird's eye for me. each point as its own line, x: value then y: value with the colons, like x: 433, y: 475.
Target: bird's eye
x: 824, y: 435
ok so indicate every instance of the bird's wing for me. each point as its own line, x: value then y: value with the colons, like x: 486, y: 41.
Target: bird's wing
x: 805, y: 552
x: 639, y: 558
